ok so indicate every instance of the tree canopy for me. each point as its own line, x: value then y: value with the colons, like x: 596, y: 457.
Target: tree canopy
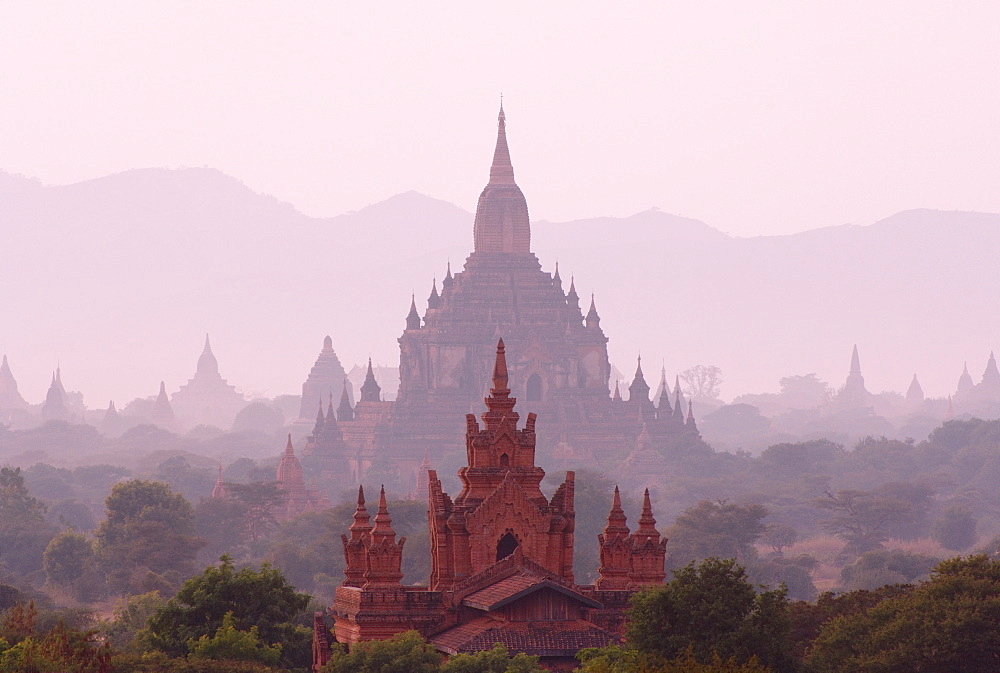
x: 711, y: 609
x: 146, y: 540
x: 261, y: 598
x: 950, y: 624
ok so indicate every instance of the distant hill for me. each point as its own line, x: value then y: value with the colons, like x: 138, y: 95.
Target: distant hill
x: 118, y: 279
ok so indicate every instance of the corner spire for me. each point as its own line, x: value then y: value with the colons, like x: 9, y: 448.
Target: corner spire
x: 593, y: 320
x: 500, y: 379
x: 370, y: 390
x: 413, y: 318
x: 345, y: 412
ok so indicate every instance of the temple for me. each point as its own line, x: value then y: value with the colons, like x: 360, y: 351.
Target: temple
x: 207, y: 398
x: 501, y: 556
x: 561, y: 364
x: 326, y: 377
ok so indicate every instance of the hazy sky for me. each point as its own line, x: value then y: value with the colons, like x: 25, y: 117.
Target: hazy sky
x: 756, y: 117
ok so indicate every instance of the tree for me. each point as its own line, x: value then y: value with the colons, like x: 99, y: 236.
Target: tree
x: 778, y: 537
x: 862, y: 519
x: 60, y: 649
x: 713, y: 610
x: 129, y: 619
x: 146, y: 540
x: 716, y: 528
x: 68, y: 562
x: 404, y: 652
x: 261, y: 598
x: 24, y: 532
x: 805, y: 391
x: 947, y: 624
x: 231, y: 644
x: 702, y: 382
x: 260, y: 499
x: 955, y: 529
x: 496, y: 660
x: 878, y: 568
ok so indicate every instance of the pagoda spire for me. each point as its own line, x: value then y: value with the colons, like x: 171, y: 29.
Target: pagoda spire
x: 663, y: 403
x: 320, y: 420
x: 965, y: 380
x: 384, y: 553
x: 617, y: 526
x: 572, y: 298
x: 413, y: 318
x: 855, y: 361
x: 617, y: 397
x: 355, y: 554
x: 678, y: 402
x: 614, y: 549
x: 647, y: 524
x: 383, y: 522
x: 593, y: 320
x: 344, y: 411
x: 502, y: 170
x: 502, y: 224
x: 370, y: 390
x: 434, y: 300
x: 638, y: 391
x: 649, y: 550
x: 500, y: 377
x: 690, y: 423
x: 991, y: 377
x: 219, y: 492
x: 207, y: 364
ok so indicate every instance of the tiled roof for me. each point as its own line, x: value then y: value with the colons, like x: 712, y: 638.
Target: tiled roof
x: 517, y: 586
x: 546, y: 639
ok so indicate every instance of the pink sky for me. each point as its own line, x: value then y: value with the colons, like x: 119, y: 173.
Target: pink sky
x: 758, y: 118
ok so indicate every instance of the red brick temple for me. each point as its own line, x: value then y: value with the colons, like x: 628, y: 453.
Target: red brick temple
x: 561, y: 364
x: 501, y: 557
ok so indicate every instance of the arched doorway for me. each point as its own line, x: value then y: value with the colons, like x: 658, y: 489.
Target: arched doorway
x: 534, y: 391
x: 506, y: 546
x: 504, y: 460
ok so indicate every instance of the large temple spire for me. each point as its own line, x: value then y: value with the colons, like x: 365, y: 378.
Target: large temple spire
x: 502, y: 224
x: 502, y: 170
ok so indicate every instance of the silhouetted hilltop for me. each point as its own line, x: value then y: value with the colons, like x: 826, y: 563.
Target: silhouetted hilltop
x: 120, y: 277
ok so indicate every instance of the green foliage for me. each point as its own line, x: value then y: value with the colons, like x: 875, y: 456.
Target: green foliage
x: 261, y: 598
x: 716, y: 528
x: 60, y: 649
x: 67, y: 558
x: 615, y: 659
x: 259, y: 500
x: 495, y: 660
x: 24, y: 533
x: 878, y: 568
x: 712, y: 609
x: 231, y: 644
x: 950, y: 623
x: 955, y: 529
x: 146, y: 540
x: 129, y: 620
x: 158, y: 662
x: 403, y: 653
x: 794, y: 572
x: 861, y: 519
x: 807, y: 619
